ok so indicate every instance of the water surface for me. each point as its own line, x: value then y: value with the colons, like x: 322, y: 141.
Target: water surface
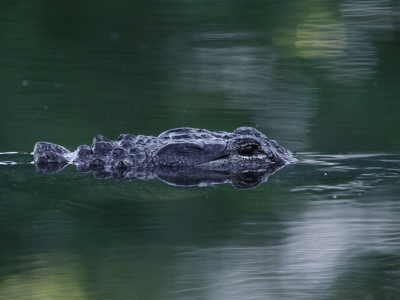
x: 320, y: 78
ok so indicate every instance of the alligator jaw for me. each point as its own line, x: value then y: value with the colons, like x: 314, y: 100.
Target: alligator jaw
x: 190, y: 154
x: 238, y: 163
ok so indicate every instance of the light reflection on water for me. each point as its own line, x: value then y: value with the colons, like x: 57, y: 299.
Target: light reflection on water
x: 349, y: 175
x: 343, y: 44
x: 324, y: 249
x: 332, y: 243
x: 245, y: 78
x: 326, y: 237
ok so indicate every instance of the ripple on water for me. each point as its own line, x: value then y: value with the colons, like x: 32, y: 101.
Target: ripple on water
x: 11, y: 158
x: 346, y: 175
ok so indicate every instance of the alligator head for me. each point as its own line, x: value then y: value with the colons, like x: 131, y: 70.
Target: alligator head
x: 245, y: 148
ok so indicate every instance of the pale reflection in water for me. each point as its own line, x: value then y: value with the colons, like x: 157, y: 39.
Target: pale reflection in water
x: 322, y: 247
x: 347, y: 239
x: 45, y: 275
x: 342, y: 45
x: 246, y: 78
x: 322, y: 235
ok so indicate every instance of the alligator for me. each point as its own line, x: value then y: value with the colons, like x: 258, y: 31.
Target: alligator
x: 181, y: 156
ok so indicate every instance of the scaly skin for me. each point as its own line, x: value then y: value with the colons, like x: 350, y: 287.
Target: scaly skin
x: 143, y: 157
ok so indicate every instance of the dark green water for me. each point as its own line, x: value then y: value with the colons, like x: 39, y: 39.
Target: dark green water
x: 320, y: 77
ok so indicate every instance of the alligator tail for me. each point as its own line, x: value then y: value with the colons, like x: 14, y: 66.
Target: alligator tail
x: 45, y: 152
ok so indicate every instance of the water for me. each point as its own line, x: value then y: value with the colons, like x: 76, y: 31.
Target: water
x: 319, y: 77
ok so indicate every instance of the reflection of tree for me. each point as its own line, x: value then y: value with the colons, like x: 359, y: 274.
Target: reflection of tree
x: 343, y: 45
x: 265, y: 81
x: 329, y: 251
x: 247, y: 78
x: 55, y: 275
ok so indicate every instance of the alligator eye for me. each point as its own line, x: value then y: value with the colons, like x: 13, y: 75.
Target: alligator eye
x: 247, y: 149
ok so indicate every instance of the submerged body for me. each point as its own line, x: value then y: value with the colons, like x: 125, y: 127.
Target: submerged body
x: 245, y: 149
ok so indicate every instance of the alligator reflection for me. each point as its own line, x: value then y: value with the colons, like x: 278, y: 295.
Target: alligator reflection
x: 241, y: 179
